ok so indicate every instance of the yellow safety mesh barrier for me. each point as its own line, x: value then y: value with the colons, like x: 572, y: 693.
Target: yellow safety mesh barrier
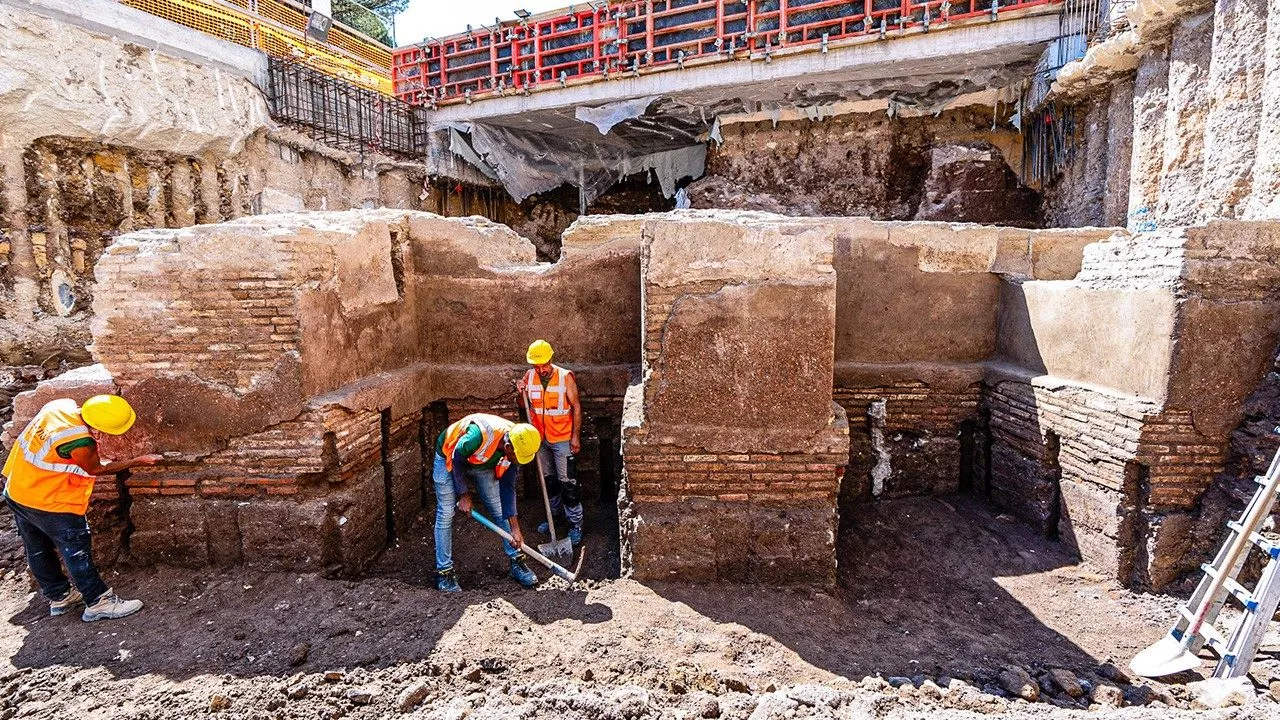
x: 280, y: 30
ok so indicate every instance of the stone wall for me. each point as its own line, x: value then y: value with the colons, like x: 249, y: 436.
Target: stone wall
x: 295, y: 369
x: 144, y: 124
x: 916, y: 321
x: 1115, y: 455
x: 1179, y: 114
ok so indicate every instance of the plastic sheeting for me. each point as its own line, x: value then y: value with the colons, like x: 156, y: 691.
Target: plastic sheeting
x: 606, y: 116
x: 528, y: 163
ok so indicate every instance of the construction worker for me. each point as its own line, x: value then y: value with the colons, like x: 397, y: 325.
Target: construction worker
x: 489, y: 451
x: 50, y: 475
x: 549, y: 394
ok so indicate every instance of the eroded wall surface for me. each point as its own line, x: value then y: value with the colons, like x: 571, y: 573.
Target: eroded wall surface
x: 1179, y: 114
x: 149, y: 125
x: 958, y: 166
x: 296, y: 369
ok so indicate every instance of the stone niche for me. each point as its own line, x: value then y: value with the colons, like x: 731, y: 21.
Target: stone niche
x: 732, y: 446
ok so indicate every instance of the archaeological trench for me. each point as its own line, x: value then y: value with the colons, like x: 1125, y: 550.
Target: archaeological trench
x: 295, y: 324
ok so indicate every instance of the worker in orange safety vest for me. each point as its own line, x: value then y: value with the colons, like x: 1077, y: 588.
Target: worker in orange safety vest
x: 484, y: 451
x: 550, y: 395
x: 49, y: 479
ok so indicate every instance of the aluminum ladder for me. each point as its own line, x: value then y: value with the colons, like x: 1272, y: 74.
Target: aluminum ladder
x: 1236, y: 652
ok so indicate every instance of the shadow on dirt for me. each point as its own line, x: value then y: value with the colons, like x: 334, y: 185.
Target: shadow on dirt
x: 926, y: 587
x: 245, y: 623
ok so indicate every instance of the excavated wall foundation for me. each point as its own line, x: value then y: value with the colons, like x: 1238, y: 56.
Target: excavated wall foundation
x: 295, y: 368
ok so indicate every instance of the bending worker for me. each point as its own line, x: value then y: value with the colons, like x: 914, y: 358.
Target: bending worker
x: 550, y: 394
x: 489, y: 451
x: 50, y: 472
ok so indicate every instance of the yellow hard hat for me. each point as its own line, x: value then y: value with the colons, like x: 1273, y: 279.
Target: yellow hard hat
x: 540, y: 353
x: 110, y: 414
x: 525, y: 440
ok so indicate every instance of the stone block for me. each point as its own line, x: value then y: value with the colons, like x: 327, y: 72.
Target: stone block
x: 79, y: 384
x: 359, y: 517
x: 724, y: 294
x: 109, y: 525
x: 222, y: 528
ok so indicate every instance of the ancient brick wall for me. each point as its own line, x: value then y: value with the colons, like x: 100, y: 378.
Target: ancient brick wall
x: 1112, y: 455
x: 731, y: 435
x: 280, y: 363
x: 907, y: 439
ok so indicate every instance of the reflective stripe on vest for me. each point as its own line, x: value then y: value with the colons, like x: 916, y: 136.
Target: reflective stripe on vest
x: 38, y: 477
x: 551, y: 413
x: 493, y: 430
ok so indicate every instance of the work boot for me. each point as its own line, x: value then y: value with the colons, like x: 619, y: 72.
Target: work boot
x: 521, y: 572
x: 544, y: 528
x: 575, y: 534
x: 110, y: 607
x: 447, y: 581
x: 63, y: 606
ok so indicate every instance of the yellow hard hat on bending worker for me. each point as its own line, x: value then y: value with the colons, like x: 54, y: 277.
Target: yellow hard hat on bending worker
x: 110, y: 414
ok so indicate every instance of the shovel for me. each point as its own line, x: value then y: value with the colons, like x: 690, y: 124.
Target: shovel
x: 562, y: 547
x: 1172, y: 653
x: 561, y: 572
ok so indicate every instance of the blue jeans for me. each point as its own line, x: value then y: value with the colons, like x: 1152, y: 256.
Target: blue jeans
x: 560, y: 468
x: 486, y: 487
x: 46, y: 535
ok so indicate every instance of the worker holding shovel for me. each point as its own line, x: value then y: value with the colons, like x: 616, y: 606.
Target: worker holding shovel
x: 549, y: 395
x: 488, y: 451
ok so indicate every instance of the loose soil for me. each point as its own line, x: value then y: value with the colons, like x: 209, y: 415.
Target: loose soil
x: 930, y: 589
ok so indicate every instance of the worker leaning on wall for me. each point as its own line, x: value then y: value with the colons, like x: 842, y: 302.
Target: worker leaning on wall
x: 49, y: 479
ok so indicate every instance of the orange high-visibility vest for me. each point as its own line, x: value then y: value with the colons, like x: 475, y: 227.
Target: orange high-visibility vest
x: 549, y: 407
x: 38, y: 477
x: 493, y: 430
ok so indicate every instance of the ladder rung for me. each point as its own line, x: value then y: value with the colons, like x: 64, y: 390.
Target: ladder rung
x: 1211, y: 636
x: 1271, y: 549
x: 1241, y: 593
x: 1263, y: 481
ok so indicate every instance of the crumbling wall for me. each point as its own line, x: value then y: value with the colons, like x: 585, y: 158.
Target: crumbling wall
x: 1197, y: 128
x: 295, y: 369
x: 916, y: 320
x: 127, y: 132
x: 955, y: 167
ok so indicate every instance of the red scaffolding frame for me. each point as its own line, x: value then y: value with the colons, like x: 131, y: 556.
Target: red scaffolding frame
x: 636, y: 35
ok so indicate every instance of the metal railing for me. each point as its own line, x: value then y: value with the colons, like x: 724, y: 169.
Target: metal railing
x: 278, y: 28
x: 594, y: 40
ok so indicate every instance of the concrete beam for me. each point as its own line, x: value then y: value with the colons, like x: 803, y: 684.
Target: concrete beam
x: 893, y: 55
x: 155, y: 33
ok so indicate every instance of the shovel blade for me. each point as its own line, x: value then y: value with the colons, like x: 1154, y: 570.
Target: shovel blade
x: 1167, y: 656
x: 559, y: 548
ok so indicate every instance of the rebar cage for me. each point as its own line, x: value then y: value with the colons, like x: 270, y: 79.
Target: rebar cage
x: 342, y: 115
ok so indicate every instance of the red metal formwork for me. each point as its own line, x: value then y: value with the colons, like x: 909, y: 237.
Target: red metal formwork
x: 597, y: 39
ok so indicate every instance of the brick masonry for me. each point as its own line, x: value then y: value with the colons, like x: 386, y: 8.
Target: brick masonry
x: 704, y: 517
x: 916, y: 443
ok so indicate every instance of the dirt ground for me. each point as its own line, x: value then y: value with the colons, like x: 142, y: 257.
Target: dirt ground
x: 930, y: 590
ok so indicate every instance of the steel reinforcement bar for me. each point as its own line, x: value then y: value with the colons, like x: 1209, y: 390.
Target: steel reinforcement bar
x: 594, y: 40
